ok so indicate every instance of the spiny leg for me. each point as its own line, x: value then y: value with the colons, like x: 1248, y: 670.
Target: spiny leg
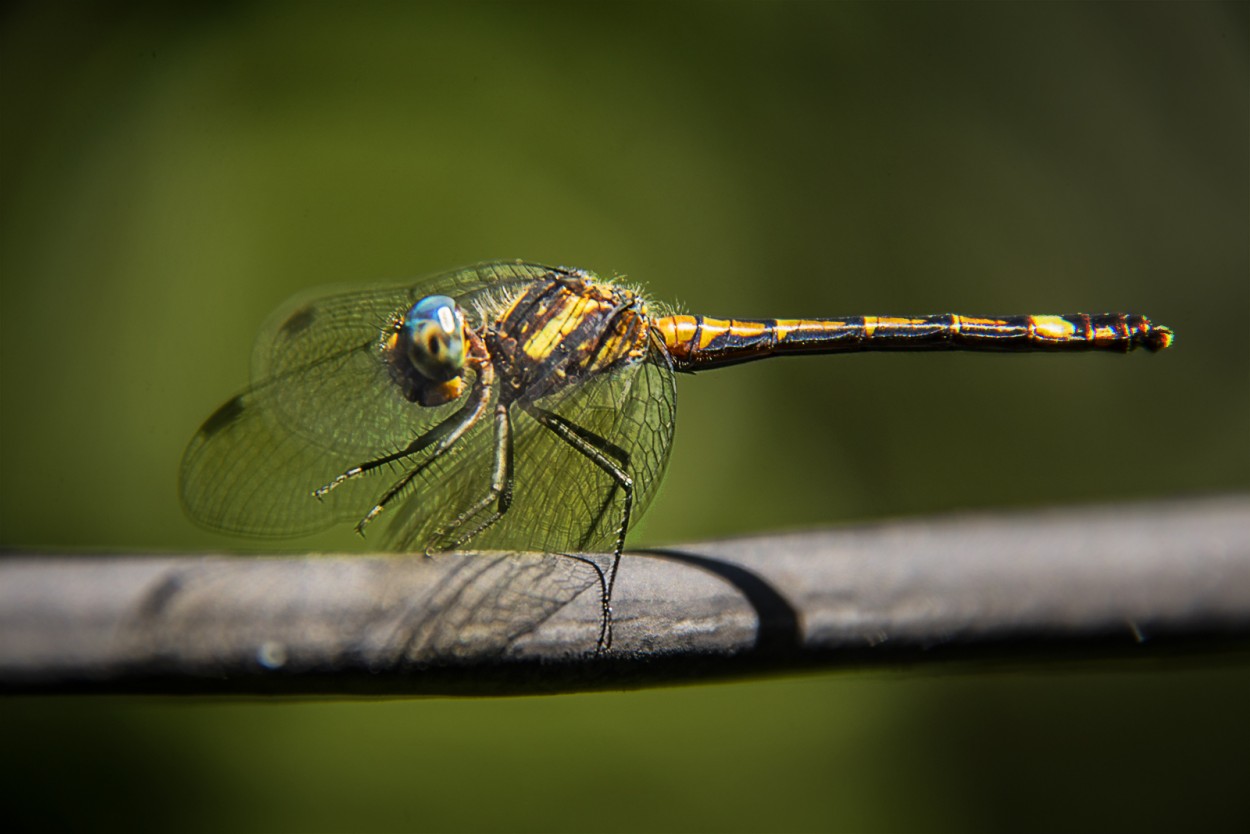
x: 421, y: 442
x: 618, y: 455
x: 605, y: 621
x: 443, y: 436
x: 596, y: 449
x: 500, y: 492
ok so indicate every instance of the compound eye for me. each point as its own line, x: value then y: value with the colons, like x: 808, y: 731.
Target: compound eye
x: 433, y: 338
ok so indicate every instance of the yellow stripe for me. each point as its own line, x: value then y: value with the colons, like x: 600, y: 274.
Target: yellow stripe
x: 1052, y: 327
x: 544, y: 341
x: 712, y: 329
x: 611, y: 351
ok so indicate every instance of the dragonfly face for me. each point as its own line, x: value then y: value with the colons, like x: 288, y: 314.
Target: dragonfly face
x: 426, y: 351
x: 431, y: 338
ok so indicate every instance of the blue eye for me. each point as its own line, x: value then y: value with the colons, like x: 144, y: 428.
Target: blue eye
x: 432, y: 337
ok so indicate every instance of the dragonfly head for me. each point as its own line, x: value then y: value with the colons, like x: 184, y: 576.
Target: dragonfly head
x: 432, y: 338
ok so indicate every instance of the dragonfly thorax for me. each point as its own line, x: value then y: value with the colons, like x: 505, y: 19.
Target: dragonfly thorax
x: 564, y: 330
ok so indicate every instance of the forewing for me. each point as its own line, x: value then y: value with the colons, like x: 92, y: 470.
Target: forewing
x: 245, y: 472
x: 323, y: 402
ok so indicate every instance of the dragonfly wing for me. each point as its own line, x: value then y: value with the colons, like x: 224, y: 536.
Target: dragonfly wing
x: 323, y: 402
x: 246, y: 472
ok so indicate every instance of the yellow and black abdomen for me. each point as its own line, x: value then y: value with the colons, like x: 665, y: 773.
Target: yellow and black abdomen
x: 697, y: 342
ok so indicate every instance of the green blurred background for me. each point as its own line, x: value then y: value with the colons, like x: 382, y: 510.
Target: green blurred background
x: 169, y: 175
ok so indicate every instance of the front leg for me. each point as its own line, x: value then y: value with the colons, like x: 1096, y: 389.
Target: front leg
x: 453, y: 535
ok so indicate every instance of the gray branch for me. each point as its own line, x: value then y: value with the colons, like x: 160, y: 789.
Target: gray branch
x: 1128, y: 580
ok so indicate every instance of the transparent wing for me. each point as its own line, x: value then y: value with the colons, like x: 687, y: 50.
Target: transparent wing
x: 245, y: 472
x: 561, y: 500
x: 324, y: 402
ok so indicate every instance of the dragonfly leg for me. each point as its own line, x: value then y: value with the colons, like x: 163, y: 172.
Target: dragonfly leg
x: 499, y: 494
x: 601, y: 453
x: 424, y: 441
x: 609, y: 457
x: 605, y: 623
x: 442, y: 437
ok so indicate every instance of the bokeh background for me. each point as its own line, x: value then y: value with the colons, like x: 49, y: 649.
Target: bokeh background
x: 172, y: 172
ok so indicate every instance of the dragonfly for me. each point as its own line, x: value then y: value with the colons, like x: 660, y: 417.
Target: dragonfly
x: 514, y: 406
